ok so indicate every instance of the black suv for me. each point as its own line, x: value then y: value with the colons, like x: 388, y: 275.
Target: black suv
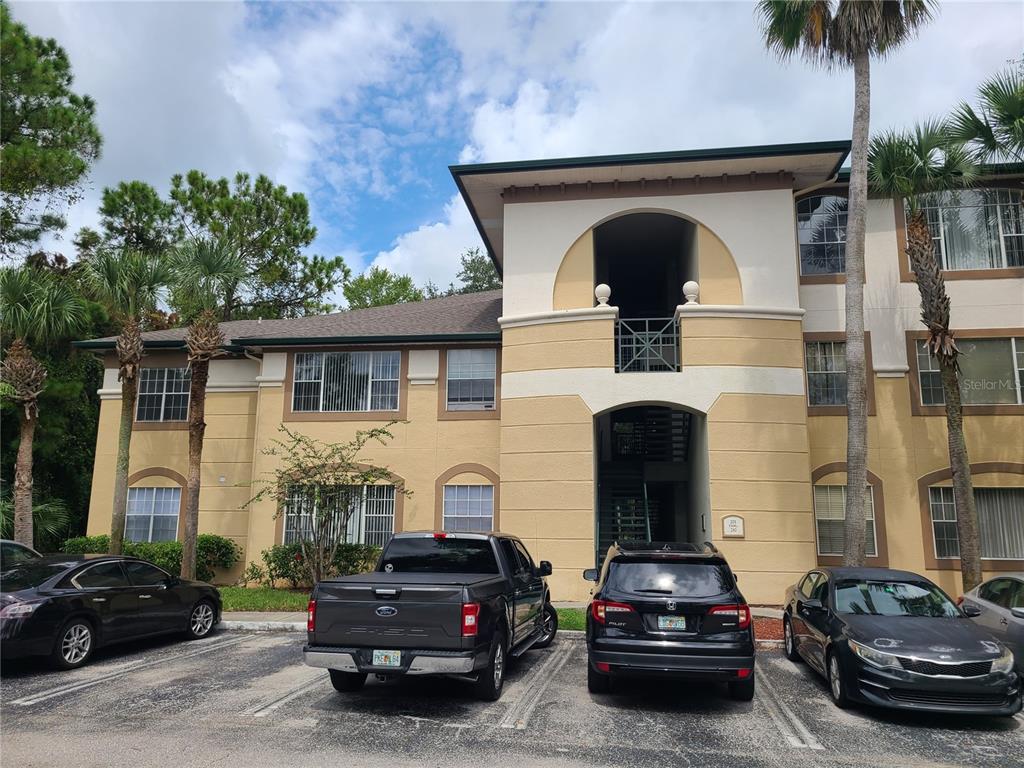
x: 669, y: 610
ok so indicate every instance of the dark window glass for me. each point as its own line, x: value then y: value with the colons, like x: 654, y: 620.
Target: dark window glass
x: 524, y: 556
x: 669, y: 578
x: 29, y: 574
x: 893, y: 598
x: 448, y: 555
x: 826, y: 372
x: 510, y: 554
x: 12, y: 554
x: 820, y: 592
x: 821, y: 230
x: 102, y: 575
x: 145, y: 575
x: 807, y: 585
x: 998, y: 591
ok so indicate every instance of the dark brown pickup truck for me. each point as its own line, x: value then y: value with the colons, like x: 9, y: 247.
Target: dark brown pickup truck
x: 437, y: 604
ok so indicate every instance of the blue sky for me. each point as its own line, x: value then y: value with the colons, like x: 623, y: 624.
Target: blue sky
x: 363, y: 106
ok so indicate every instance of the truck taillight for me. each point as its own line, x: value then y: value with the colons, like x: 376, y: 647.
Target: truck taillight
x: 600, y: 609
x: 311, y: 616
x: 470, y: 614
x: 741, y: 614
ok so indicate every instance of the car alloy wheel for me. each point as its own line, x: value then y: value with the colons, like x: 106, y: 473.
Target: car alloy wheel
x: 787, y: 631
x: 202, y: 620
x: 76, y: 644
x: 499, y: 665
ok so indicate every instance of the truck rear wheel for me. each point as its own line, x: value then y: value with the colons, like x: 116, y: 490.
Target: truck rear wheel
x: 492, y: 677
x: 549, y: 623
x: 347, y: 682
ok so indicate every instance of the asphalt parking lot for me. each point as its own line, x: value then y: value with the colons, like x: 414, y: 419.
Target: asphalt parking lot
x: 246, y: 699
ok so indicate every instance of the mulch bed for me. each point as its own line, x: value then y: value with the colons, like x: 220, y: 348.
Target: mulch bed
x: 767, y: 628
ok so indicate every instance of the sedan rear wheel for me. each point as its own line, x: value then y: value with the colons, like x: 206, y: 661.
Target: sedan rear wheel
x: 200, y: 621
x: 789, y: 643
x: 74, y: 646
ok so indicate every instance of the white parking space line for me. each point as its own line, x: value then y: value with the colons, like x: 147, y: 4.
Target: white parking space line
x: 67, y: 688
x: 533, y: 686
x: 791, y: 727
x: 268, y: 708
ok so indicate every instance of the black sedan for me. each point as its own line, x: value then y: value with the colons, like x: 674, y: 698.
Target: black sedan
x: 66, y: 606
x: 894, y: 639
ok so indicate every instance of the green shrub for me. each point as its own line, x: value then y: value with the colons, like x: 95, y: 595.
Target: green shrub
x: 212, y: 551
x: 284, y: 562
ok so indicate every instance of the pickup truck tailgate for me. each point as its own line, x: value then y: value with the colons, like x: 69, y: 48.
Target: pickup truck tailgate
x: 388, y: 613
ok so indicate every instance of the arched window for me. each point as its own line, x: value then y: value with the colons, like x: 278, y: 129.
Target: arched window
x: 976, y: 228
x: 821, y: 231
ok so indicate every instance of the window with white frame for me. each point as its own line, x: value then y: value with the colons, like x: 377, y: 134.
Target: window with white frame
x: 370, y: 510
x: 976, y: 228
x: 826, y: 372
x: 991, y: 372
x: 1000, y: 522
x: 471, y: 375
x: 346, y: 381
x: 163, y: 394
x: 152, y: 514
x: 468, y: 507
x: 821, y: 231
x: 830, y: 520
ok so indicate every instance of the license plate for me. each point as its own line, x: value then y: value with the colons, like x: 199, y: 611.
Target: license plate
x: 672, y: 622
x: 387, y: 658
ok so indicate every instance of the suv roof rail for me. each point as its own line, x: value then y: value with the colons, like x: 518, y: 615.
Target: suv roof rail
x: 711, y: 547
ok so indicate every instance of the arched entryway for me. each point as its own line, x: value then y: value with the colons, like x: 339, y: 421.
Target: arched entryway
x: 651, y: 476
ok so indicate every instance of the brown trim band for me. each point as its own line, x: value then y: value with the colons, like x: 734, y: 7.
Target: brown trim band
x: 953, y: 563
x: 839, y: 410
x: 917, y: 408
x: 167, y: 472
x: 403, y: 390
x: 460, y: 469
x: 881, y: 558
x: 443, y: 414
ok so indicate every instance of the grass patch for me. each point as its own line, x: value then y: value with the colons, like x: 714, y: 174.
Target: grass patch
x: 263, y: 599
x: 572, y: 618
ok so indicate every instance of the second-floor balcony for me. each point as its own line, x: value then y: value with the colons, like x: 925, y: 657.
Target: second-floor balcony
x: 648, y: 344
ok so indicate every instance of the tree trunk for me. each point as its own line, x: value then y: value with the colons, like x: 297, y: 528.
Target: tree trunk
x: 856, y: 373
x: 963, y: 492
x: 23, y: 480
x: 130, y: 343
x: 196, y: 430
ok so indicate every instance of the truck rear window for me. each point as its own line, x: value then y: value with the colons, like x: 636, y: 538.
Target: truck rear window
x: 430, y: 555
x: 666, y: 577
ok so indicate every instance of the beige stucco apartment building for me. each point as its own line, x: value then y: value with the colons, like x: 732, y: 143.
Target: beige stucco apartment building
x: 596, y: 398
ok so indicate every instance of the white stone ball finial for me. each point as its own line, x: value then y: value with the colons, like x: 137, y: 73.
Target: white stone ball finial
x: 602, y: 293
x: 691, y: 290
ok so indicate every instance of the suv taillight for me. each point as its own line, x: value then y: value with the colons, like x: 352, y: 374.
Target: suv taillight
x: 470, y: 614
x: 740, y: 612
x: 600, y: 609
x: 311, y: 616
x: 960, y: 600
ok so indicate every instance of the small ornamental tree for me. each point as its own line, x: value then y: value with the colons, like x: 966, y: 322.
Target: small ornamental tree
x: 320, y: 483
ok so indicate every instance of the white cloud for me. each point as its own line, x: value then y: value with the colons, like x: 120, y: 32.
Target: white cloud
x: 431, y: 252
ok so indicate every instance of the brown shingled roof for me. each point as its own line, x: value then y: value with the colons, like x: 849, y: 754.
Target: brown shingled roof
x: 462, y: 316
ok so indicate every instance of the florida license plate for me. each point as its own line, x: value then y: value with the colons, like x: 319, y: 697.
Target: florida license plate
x: 387, y: 658
x: 672, y: 622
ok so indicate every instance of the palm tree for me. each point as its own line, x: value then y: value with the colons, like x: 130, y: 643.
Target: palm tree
x: 129, y: 283
x: 205, y: 269
x: 36, y: 308
x: 912, y: 166
x: 842, y: 33
x: 995, y: 131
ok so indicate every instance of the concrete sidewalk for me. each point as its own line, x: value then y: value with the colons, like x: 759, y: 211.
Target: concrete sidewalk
x: 295, y: 621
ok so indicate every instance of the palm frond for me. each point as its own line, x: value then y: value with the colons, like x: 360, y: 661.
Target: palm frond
x: 205, y: 267
x: 38, y: 307
x: 131, y: 283
x: 51, y: 518
x: 796, y: 26
x: 994, y: 131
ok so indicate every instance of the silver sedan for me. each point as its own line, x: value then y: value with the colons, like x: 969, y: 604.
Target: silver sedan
x: 1000, y: 602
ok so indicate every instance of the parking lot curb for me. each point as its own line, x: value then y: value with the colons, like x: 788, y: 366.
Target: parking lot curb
x: 263, y: 626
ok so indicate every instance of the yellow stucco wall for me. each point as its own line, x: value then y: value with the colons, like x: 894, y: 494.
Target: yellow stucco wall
x: 740, y: 341
x: 584, y: 344
x: 574, y: 283
x: 903, y: 448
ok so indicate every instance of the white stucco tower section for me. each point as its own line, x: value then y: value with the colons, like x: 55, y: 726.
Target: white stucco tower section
x: 757, y: 227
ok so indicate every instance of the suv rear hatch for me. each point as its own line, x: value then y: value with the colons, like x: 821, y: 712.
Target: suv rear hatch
x: 660, y: 598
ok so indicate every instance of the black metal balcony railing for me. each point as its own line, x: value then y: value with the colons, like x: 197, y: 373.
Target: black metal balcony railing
x: 647, y: 344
